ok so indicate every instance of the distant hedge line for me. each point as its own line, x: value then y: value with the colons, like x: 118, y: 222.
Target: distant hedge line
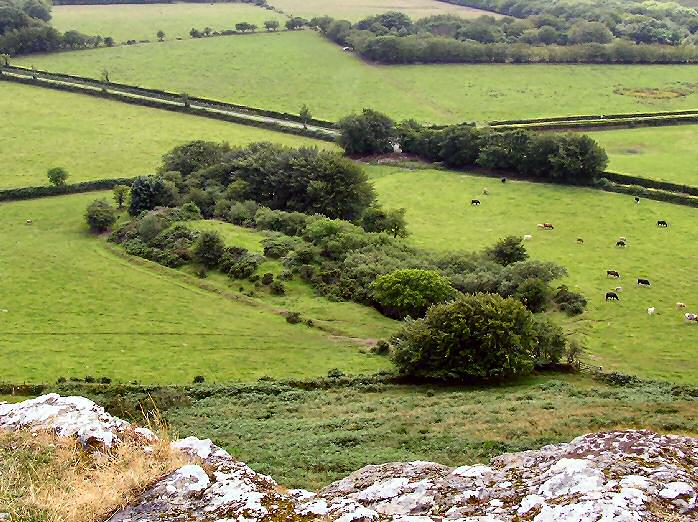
x: 170, y: 106
x: 586, y: 117
x: 173, y: 95
x: 626, y: 179
x: 669, y: 197
x: 586, y: 125
x: 74, y: 188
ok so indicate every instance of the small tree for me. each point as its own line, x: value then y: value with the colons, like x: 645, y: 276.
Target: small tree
x: 305, y: 115
x: 296, y: 23
x: 508, y: 250
x: 161, y: 35
x: 481, y: 336
x: 271, y: 25
x: 121, y: 193
x: 148, y: 192
x: 410, y: 292
x: 208, y: 249
x: 535, y: 294
x: 100, y: 215
x: 57, y: 176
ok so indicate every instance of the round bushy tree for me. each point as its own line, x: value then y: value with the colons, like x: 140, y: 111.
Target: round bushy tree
x: 508, y: 250
x: 148, y: 192
x: 208, y: 249
x: 57, y: 176
x: 367, y: 133
x: 478, y: 336
x: 100, y: 215
x: 410, y: 292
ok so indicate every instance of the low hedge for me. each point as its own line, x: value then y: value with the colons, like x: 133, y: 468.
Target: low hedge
x: 169, y: 95
x: 626, y: 179
x: 668, y: 197
x: 74, y: 188
x: 586, y: 117
x: 590, y: 125
x: 172, y: 106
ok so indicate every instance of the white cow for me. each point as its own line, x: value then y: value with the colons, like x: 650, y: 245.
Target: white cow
x: 527, y: 237
x: 679, y: 306
x: 691, y: 317
x: 651, y: 310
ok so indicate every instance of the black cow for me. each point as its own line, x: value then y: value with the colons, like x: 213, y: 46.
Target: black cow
x: 475, y: 202
x: 612, y: 273
x: 620, y: 243
x: 643, y: 282
x: 611, y: 296
x: 662, y: 223
x: 504, y: 180
x: 580, y: 241
x: 637, y: 200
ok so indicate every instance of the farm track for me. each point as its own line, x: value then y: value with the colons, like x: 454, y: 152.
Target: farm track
x: 138, y: 95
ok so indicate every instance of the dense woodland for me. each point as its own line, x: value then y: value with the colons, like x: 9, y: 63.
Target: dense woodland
x: 644, y: 33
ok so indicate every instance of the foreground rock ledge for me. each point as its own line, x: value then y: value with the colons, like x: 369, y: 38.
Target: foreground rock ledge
x: 615, y: 476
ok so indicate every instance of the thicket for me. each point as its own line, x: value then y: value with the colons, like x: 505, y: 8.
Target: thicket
x: 24, y: 29
x: 558, y: 158
x: 665, y: 34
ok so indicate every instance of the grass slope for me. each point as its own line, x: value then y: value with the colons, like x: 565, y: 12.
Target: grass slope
x: 142, y: 22
x: 356, y: 10
x: 310, y: 438
x: 621, y: 336
x: 664, y: 153
x: 72, y: 308
x: 95, y: 138
x: 283, y: 71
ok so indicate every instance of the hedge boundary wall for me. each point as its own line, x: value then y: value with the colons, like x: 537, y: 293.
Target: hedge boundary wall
x: 173, y: 106
x: 626, y: 179
x: 592, y: 125
x: 16, y: 194
x: 586, y: 117
x: 168, y: 95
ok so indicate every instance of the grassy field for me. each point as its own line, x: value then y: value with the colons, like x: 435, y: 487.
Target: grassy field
x: 621, y: 336
x: 142, y: 22
x: 356, y: 10
x: 283, y: 71
x: 310, y: 438
x: 663, y: 153
x: 69, y: 307
x: 95, y: 138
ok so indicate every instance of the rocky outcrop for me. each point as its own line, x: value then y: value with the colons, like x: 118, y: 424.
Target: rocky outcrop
x: 619, y: 476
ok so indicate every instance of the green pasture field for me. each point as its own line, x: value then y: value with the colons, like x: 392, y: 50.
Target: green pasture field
x: 70, y: 307
x: 356, y: 10
x: 621, y: 336
x: 285, y: 70
x: 661, y: 153
x: 142, y: 22
x: 310, y: 438
x: 94, y: 138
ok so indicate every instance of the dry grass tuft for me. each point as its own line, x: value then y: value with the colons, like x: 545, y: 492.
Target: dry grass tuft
x: 47, y: 478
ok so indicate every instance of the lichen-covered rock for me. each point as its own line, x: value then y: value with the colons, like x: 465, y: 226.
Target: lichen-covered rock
x: 618, y: 476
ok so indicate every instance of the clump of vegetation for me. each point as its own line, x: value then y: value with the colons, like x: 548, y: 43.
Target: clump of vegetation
x: 208, y: 249
x: 57, y: 176
x: 100, y: 215
x: 410, y: 292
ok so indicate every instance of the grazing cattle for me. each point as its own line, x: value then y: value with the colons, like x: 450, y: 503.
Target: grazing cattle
x: 643, y: 282
x: 527, y: 237
x: 680, y: 306
x: 580, y: 241
x: 540, y: 225
x: 548, y: 226
x: 637, y: 200
x: 619, y: 289
x: 622, y: 238
x: 612, y: 273
x: 485, y: 192
x: 662, y: 223
x: 651, y: 310
x: 348, y: 49
x: 29, y: 221
x: 690, y: 317
x: 611, y: 296
x: 504, y: 180
x: 475, y: 202
x: 620, y: 243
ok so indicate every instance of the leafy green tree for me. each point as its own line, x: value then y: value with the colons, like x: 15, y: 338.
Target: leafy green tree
x: 410, y: 292
x: 508, y: 250
x: 305, y: 115
x: 589, y: 32
x: 193, y: 156
x: 367, y: 133
x: 148, y: 192
x: 121, y: 193
x: 376, y: 219
x: 551, y: 343
x: 57, y: 176
x: 208, y: 249
x: 100, y: 215
x: 161, y: 35
x: 296, y: 23
x: 321, y: 22
x: 579, y: 159
x: 460, y: 145
x: 271, y: 25
x: 244, y: 27
x: 535, y: 294
x: 479, y: 336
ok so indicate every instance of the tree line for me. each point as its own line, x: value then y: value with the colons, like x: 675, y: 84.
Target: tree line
x: 393, y: 38
x: 24, y: 29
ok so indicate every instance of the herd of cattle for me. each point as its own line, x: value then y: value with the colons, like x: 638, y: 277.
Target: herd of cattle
x: 611, y: 295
